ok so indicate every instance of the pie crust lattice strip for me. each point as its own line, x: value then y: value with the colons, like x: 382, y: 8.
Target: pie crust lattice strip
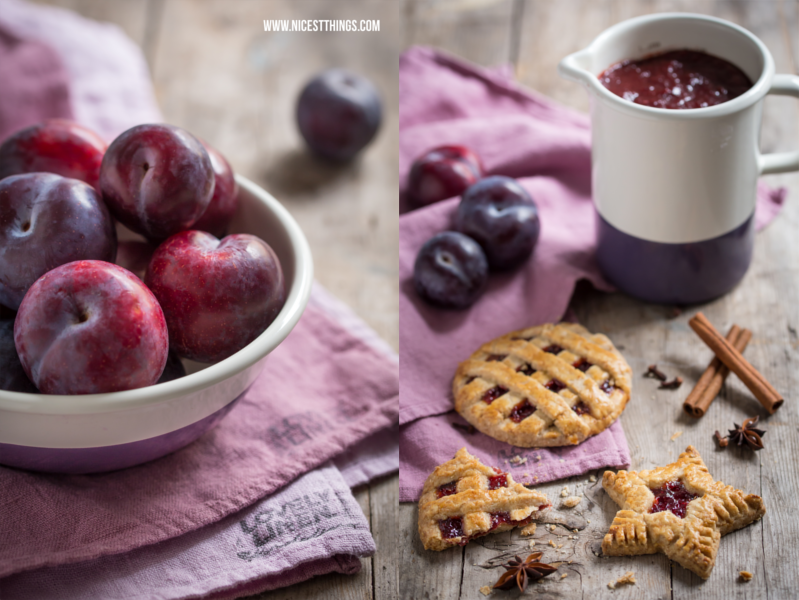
x: 549, y: 385
x: 678, y: 510
x: 463, y: 499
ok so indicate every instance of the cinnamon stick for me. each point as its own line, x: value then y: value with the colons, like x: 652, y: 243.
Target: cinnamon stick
x: 727, y: 354
x: 709, y: 384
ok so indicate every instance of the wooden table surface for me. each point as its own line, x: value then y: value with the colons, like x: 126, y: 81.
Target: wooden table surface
x: 220, y: 76
x: 534, y: 35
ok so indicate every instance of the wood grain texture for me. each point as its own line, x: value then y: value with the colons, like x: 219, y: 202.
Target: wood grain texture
x: 220, y: 76
x: 649, y: 333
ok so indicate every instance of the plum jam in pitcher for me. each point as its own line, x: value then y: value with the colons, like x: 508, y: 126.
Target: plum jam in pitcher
x: 677, y: 79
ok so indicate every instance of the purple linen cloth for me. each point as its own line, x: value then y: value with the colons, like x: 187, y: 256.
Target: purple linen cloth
x: 546, y: 146
x: 313, y: 526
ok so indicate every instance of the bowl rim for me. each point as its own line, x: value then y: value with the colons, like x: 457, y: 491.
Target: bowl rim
x: 278, y: 330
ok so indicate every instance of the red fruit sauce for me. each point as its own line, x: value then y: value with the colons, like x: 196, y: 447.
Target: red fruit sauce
x: 494, y: 393
x: 447, y: 489
x: 452, y: 527
x: 606, y: 386
x: 554, y: 385
x: 497, y: 482
x: 521, y: 411
x: 581, y: 409
x: 678, y: 79
x: 526, y: 369
x: 553, y: 349
x: 672, y: 496
x: 582, y: 365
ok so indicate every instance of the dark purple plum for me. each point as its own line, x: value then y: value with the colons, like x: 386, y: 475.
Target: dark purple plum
x: 441, y: 173
x: 90, y: 327
x: 217, y: 296
x: 450, y: 270
x: 173, y: 369
x: 12, y: 375
x: 54, y: 146
x: 220, y: 211
x: 338, y: 114
x: 46, y: 221
x: 157, y: 180
x: 500, y: 215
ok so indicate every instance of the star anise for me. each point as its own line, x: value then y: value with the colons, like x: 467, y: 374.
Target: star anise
x: 520, y: 571
x: 748, y: 434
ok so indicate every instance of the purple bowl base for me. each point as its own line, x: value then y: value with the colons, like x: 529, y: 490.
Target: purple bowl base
x: 675, y: 273
x: 82, y: 461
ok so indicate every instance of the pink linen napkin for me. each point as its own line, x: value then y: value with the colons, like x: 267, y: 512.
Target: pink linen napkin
x: 321, y: 392
x: 314, y: 526
x: 109, y: 82
x: 546, y: 146
x: 41, y: 83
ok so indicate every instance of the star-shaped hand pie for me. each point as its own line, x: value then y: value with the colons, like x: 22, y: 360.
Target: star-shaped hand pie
x: 678, y: 510
x: 464, y: 499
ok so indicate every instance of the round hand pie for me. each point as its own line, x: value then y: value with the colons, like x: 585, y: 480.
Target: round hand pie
x: 549, y: 385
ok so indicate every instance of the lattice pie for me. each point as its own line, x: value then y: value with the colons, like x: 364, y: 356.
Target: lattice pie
x: 678, y: 510
x: 464, y: 499
x: 550, y: 385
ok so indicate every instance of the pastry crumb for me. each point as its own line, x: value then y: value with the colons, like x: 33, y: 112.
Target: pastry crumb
x: 676, y: 435
x: 535, y: 477
x: 592, y: 479
x: 572, y: 501
x: 551, y: 543
x: 627, y: 579
x: 575, y: 531
x: 518, y: 460
x: 745, y: 576
x: 485, y: 590
x: 528, y: 529
x: 565, y: 491
x: 532, y: 543
x: 564, y: 576
x: 560, y: 545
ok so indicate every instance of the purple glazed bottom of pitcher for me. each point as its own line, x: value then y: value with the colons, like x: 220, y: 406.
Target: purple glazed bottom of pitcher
x: 675, y: 273
x: 81, y: 461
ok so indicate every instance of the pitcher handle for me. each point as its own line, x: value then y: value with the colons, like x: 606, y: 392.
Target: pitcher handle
x: 781, y: 162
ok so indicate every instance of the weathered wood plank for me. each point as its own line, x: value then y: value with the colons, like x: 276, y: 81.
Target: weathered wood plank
x: 384, y: 506
x: 477, y: 30
x: 131, y: 17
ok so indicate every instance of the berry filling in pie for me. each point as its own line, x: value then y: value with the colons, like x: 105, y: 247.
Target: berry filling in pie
x: 554, y: 385
x: 494, y: 393
x: 447, y: 489
x: 521, y: 411
x: 582, y: 365
x: 498, y: 481
x: 553, y: 349
x: 452, y: 527
x: 526, y: 369
x: 672, y: 496
x: 581, y: 409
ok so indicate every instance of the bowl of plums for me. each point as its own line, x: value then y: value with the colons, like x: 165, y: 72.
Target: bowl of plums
x: 142, y: 287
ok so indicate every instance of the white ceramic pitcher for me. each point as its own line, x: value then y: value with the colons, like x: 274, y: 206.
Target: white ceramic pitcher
x: 675, y: 190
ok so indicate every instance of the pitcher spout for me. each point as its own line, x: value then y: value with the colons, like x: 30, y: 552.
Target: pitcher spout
x: 575, y: 67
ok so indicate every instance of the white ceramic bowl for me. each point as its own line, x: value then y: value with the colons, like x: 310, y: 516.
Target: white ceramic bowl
x: 103, y: 432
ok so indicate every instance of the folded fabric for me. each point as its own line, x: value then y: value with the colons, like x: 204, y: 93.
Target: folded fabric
x: 311, y: 527
x: 321, y: 392
x: 545, y: 146
x: 41, y: 82
x: 109, y: 83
